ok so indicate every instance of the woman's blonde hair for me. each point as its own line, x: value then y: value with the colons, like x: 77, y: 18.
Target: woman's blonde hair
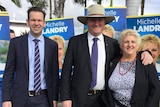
x: 149, y: 38
x: 109, y: 29
x: 127, y: 32
x: 58, y: 39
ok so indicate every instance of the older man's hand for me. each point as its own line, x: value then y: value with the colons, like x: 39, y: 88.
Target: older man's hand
x: 146, y: 58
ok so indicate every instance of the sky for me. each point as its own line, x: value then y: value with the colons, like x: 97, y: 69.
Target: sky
x: 73, y: 10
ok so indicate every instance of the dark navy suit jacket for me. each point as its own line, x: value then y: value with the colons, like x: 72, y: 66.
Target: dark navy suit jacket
x: 16, y: 89
x: 77, y: 59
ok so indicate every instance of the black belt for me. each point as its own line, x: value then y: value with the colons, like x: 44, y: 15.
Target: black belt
x: 93, y: 92
x: 33, y: 93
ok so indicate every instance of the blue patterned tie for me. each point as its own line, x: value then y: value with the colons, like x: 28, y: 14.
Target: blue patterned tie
x: 37, y: 76
x: 94, y: 60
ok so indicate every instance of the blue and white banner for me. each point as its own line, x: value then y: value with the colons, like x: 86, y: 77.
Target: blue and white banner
x: 4, y: 41
x: 62, y: 26
x: 4, y: 26
x: 119, y: 13
x: 144, y: 24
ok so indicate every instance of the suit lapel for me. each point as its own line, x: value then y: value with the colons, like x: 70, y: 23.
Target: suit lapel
x: 106, y: 48
x: 86, y: 50
x: 25, y: 51
x: 138, y: 77
x: 107, y: 56
x: 46, y: 50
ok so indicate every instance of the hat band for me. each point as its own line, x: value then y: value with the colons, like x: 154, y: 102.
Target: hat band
x: 96, y: 14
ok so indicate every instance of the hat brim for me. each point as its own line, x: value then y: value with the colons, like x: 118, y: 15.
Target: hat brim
x: 83, y: 19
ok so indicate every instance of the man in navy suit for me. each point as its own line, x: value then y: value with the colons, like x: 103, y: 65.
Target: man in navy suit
x: 76, y: 90
x: 18, y: 85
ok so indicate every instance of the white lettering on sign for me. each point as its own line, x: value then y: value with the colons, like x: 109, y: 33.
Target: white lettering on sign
x: 116, y: 18
x: 0, y: 26
x: 147, y: 28
x: 56, y: 30
x: 148, y: 21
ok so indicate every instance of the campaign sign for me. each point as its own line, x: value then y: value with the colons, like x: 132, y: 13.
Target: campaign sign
x: 4, y: 26
x: 1, y: 75
x: 144, y: 24
x: 4, y: 40
x: 119, y: 13
x: 62, y: 26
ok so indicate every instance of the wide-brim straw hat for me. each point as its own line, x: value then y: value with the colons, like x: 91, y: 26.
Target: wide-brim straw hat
x: 95, y: 11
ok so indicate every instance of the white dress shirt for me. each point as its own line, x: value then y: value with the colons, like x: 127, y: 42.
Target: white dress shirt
x: 101, y: 60
x: 31, y: 47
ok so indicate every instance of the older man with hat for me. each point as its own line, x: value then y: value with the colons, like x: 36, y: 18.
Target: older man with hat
x: 86, y: 63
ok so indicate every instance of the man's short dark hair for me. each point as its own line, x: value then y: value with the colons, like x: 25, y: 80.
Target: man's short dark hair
x: 36, y: 9
x: 12, y: 31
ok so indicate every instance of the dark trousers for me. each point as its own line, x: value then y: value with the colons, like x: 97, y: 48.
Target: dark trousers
x: 94, y: 100
x: 38, y: 101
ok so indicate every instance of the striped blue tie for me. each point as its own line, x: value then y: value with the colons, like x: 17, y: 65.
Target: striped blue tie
x: 37, y: 76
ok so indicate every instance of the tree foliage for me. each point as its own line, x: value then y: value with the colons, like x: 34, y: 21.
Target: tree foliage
x: 142, y: 7
x: 39, y: 3
x: 82, y: 2
x: 59, y: 8
x: 17, y: 3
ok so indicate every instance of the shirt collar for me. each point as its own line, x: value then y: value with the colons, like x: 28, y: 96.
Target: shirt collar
x: 100, y: 37
x: 31, y: 37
